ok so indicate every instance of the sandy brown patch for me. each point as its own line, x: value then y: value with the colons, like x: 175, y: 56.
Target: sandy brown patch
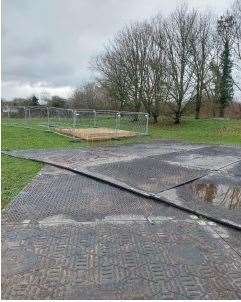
x: 96, y: 133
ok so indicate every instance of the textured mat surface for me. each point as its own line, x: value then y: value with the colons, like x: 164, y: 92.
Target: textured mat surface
x: 151, y: 174
x: 69, y: 237
x: 53, y: 194
x: 106, y: 154
x: 131, y: 260
x: 175, y: 172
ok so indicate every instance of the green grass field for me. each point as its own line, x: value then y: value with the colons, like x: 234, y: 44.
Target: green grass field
x: 16, y: 173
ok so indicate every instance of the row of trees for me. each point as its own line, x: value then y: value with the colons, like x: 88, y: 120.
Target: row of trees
x: 31, y: 101
x: 92, y: 96
x: 187, y: 57
x: 54, y: 101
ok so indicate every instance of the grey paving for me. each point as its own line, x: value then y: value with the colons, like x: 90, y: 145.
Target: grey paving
x: 70, y: 237
x: 174, y: 172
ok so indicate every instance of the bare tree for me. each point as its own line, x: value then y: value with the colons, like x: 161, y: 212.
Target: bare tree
x: 179, y: 28
x: 212, y: 86
x: 133, y: 67
x: 132, y: 45
x: 57, y: 101
x: 177, y: 60
x: 155, y: 78
x: 201, y: 51
x: 91, y: 96
x: 78, y: 99
x: 112, y: 74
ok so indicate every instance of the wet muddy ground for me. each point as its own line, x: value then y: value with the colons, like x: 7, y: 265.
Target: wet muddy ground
x: 70, y: 236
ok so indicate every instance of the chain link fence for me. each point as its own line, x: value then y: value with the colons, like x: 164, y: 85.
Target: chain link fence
x: 54, y: 119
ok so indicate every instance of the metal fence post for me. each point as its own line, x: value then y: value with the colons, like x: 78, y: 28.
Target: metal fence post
x: 59, y: 117
x: 29, y: 114
x: 147, y: 123
x: 94, y: 118
x: 48, y: 117
x: 74, y: 118
x: 25, y: 114
x: 117, y: 121
x: 8, y: 112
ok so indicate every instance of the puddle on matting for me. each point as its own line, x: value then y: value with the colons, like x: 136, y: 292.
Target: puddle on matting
x: 223, y: 195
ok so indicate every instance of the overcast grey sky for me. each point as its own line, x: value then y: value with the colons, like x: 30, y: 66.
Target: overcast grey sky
x: 47, y: 44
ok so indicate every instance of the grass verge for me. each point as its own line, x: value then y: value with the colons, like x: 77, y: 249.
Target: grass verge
x: 16, y: 173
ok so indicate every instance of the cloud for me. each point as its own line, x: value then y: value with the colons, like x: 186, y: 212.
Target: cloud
x: 52, y: 41
x: 38, y: 88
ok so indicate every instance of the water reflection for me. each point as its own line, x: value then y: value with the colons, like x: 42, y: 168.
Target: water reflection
x: 228, y: 196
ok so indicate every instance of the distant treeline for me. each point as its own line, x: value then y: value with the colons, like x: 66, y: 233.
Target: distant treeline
x: 209, y: 107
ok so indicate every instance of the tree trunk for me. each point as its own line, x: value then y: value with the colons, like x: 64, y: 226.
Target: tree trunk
x: 137, y: 106
x: 137, y: 109
x: 197, y: 112
x: 155, y: 119
x: 221, y: 111
x: 177, y: 118
x: 197, y: 109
